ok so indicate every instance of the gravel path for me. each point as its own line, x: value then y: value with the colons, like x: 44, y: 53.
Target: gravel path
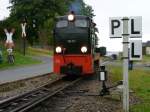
x: 28, y: 71
x: 22, y: 86
x: 82, y: 97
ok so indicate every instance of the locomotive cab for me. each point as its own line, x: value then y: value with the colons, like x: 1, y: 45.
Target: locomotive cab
x: 74, y: 45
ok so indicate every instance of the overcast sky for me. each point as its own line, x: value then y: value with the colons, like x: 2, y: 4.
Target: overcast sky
x: 4, y: 12
x: 109, y: 8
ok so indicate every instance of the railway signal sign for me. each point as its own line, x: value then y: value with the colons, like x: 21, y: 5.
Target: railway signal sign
x: 125, y: 28
x: 134, y: 27
x: 135, y: 50
x: 116, y: 27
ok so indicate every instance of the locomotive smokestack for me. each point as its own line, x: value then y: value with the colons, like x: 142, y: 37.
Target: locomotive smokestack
x: 76, y: 7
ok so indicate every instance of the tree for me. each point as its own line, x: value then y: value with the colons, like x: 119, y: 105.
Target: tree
x: 87, y: 10
x: 40, y: 17
x: 37, y: 13
x: 79, y: 7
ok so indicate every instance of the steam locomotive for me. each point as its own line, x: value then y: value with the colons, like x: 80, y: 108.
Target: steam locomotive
x: 74, y: 45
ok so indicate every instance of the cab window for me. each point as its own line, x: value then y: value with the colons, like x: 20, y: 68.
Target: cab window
x: 61, y: 24
x: 81, y: 23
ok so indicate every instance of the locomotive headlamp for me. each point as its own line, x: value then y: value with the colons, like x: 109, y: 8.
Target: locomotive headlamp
x: 84, y: 49
x: 71, y: 17
x: 58, y: 49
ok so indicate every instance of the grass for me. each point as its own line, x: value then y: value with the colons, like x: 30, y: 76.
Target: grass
x: 21, y: 60
x: 139, y: 81
x: 39, y: 52
x: 146, y: 58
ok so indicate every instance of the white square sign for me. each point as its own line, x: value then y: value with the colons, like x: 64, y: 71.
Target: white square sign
x: 135, y: 50
x: 134, y: 27
x: 115, y: 27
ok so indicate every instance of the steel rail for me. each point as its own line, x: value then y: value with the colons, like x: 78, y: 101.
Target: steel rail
x: 48, y: 96
x: 21, y: 95
x: 32, y: 98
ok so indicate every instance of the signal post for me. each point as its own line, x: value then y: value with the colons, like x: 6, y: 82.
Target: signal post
x: 125, y: 65
x: 23, y: 26
x: 127, y: 27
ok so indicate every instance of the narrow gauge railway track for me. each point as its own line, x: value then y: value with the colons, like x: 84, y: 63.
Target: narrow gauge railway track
x: 30, y: 99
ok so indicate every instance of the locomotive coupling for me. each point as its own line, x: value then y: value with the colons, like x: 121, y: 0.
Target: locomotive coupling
x: 71, y: 69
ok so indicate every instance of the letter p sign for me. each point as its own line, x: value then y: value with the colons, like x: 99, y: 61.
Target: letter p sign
x: 114, y: 24
x: 115, y: 27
